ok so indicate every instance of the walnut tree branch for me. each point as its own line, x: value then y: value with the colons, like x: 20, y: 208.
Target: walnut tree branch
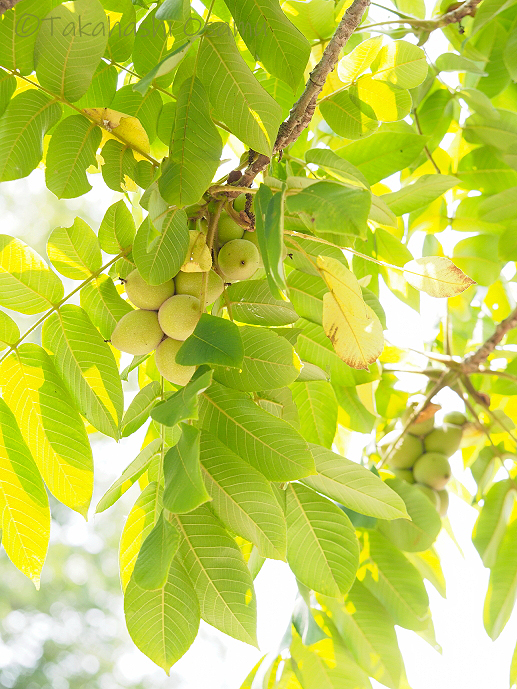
x: 7, y: 5
x: 303, y: 110
x: 473, y: 361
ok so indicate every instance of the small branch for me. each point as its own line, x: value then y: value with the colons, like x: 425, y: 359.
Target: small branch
x: 7, y: 5
x: 472, y: 362
x: 467, y: 9
x: 303, y: 110
x: 427, y: 151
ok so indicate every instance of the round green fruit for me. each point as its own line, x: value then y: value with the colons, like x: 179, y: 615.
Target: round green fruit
x: 429, y: 493
x: 422, y: 428
x: 240, y: 203
x: 444, y: 439
x: 404, y: 474
x: 432, y: 469
x: 137, y: 333
x: 144, y: 296
x: 227, y: 229
x: 238, y: 259
x: 443, y: 496
x: 191, y: 283
x: 165, y: 358
x: 179, y: 315
x: 457, y: 418
x: 406, y: 451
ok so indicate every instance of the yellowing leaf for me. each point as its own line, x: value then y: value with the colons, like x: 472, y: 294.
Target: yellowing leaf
x: 437, y: 276
x: 120, y: 127
x: 361, y: 57
x: 350, y: 324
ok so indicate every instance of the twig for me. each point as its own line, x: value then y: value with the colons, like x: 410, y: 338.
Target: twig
x: 7, y: 5
x: 472, y: 362
x: 303, y: 110
x: 210, y: 239
x: 427, y: 151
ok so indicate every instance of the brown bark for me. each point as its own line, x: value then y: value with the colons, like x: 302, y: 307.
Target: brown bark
x: 7, y: 5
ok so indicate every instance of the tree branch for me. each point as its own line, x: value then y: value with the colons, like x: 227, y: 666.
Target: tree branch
x: 303, y: 110
x: 473, y: 361
x: 7, y: 5
x: 467, y: 9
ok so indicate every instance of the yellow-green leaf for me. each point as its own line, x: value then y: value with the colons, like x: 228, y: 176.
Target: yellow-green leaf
x: 74, y: 251
x: 24, y: 510
x: 351, y: 325
x: 401, y: 63
x: 437, y: 276
x: 361, y: 57
x: 9, y: 331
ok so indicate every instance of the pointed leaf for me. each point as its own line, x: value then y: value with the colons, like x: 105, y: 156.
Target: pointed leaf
x: 214, y: 341
x: 322, y: 549
x: 74, y: 251
x: 219, y: 574
x: 436, y: 276
x: 183, y: 404
x: 24, y: 510
x: 358, y: 60
x: 155, y: 557
x: 9, y: 331
x: 50, y: 425
x: 140, y: 409
x: 269, y: 444
x: 87, y: 366
x: 421, y: 193
x: 251, y: 302
x: 502, y: 587
x: 401, y: 63
x: 117, y: 229
x: 103, y: 304
x: 159, y: 254
x: 492, y: 522
x: 184, y: 486
x: 242, y: 498
x: 318, y: 411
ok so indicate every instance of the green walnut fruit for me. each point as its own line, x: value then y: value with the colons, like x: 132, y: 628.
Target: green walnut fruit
x: 443, y: 496
x: 432, y: 469
x: 406, y: 451
x: 404, y: 474
x: 191, y: 283
x: 165, y: 358
x: 178, y: 316
x: 137, y: 333
x: 456, y: 418
x: 252, y: 237
x: 227, y: 229
x: 422, y: 428
x: 444, y: 439
x: 240, y: 203
x: 238, y: 259
x: 144, y: 296
x: 429, y: 493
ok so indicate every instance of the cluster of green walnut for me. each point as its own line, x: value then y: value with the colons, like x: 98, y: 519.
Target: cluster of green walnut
x: 421, y: 456
x: 167, y: 314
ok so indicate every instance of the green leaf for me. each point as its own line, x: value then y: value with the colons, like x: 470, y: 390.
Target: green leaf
x: 138, y: 526
x: 50, y: 425
x: 269, y: 362
x: 499, y: 207
x: 221, y: 579
x: 358, y: 60
x: 214, y: 341
x: 425, y: 525
x: 151, y: 46
x: 384, y: 153
x: 173, y: 10
x: 118, y: 165
x: 140, y: 409
x: 183, y: 404
x: 103, y: 304
x: 9, y: 331
x: 401, y: 63
x: 478, y: 102
x: 491, y: 524
x: 27, y: 119
x: 269, y: 444
x: 269, y: 221
x: 353, y: 413
x: 74, y: 251
x: 397, y: 584
x: 271, y: 38
x: 251, y: 302
x: 483, y: 171
x: 18, y: 33
x: 195, y: 150
x: 87, y: 366
x: 122, y: 32
x: 478, y: 257
x: 27, y: 285
x: 354, y: 486
x: 346, y: 118
x: 334, y: 210
x: 312, y: 247
x: 71, y: 151
x: 336, y: 166
x: 7, y: 88
x: 155, y: 557
x: 117, y: 229
x: 184, y: 486
x: 160, y: 254
x: 242, y: 498
x: 306, y: 294
x: 322, y: 549
x: 499, y: 131
x: 25, y: 514
x: 164, y: 622
x: 315, y: 19
x: 236, y: 96
x: 490, y: 9
x: 130, y: 475
x: 69, y: 47
x: 502, y: 587
x: 421, y: 193
x: 450, y: 62
x: 318, y: 409
x: 368, y: 632
x: 380, y: 100
x: 168, y: 64
x: 509, y: 52
x: 102, y: 88
x: 146, y: 108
